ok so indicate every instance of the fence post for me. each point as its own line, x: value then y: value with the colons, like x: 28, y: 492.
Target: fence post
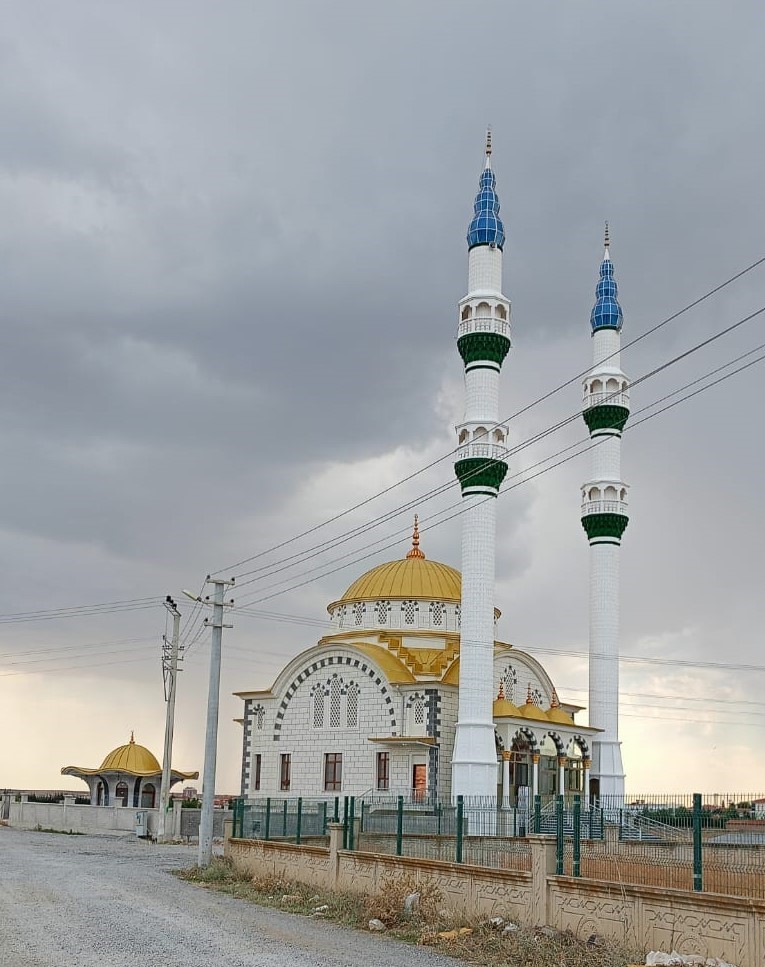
x: 284, y: 818
x: 352, y: 824
x: 361, y: 818
x: 602, y: 824
x: 460, y: 812
x: 299, y: 822
x: 697, y: 858
x: 537, y: 814
x: 577, y: 836
x: 438, y: 814
x: 268, y: 819
x: 345, y: 822
x: 324, y: 818
x: 559, y: 836
x: 336, y: 817
x: 400, y: 826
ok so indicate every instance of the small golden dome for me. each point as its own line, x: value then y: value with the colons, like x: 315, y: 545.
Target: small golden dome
x: 555, y: 713
x: 131, y: 758
x: 530, y: 710
x: 503, y: 709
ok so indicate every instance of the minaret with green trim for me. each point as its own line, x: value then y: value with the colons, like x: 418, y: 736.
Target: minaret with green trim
x: 604, y: 518
x: 483, y: 341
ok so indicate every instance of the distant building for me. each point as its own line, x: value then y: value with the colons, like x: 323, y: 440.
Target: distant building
x: 130, y: 775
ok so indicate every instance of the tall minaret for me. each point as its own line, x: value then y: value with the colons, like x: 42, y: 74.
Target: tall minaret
x: 483, y: 342
x: 604, y: 518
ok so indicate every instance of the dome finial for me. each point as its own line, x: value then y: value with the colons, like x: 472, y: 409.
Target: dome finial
x: 606, y: 313
x: 501, y: 692
x: 555, y: 703
x: 415, y: 551
x: 606, y: 238
x: 488, y: 144
x: 529, y: 696
x: 132, y: 738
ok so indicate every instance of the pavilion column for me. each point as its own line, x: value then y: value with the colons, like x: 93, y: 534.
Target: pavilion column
x: 535, y: 774
x: 586, y: 783
x: 506, y: 779
x: 562, y: 775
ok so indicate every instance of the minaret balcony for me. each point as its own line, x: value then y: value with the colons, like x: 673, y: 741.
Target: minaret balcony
x: 483, y: 451
x: 604, y: 506
x: 485, y: 323
x: 612, y: 397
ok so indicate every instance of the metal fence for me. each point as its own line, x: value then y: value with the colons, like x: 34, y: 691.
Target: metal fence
x: 714, y: 843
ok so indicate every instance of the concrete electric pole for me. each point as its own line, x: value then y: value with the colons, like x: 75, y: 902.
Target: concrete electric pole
x: 169, y: 674
x: 213, y: 702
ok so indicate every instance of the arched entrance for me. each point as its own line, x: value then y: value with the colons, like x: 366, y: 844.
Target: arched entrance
x: 148, y: 796
x: 121, y: 794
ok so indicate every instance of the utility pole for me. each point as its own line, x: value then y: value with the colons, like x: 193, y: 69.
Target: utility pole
x: 213, y: 703
x: 169, y: 675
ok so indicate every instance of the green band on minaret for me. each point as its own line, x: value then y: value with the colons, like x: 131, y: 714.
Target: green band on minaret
x: 478, y: 346
x: 605, y: 525
x: 606, y: 417
x: 479, y: 472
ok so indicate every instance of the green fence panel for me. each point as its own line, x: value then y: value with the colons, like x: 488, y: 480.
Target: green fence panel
x: 577, y: 871
x: 400, y: 826
x: 697, y: 856
x: 458, y: 844
x: 559, y: 836
x: 268, y: 819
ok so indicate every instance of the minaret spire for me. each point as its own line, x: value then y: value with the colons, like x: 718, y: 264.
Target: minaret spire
x: 604, y: 518
x: 483, y: 341
x: 415, y: 551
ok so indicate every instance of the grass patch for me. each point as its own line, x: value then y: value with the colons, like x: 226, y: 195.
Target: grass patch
x: 482, y: 944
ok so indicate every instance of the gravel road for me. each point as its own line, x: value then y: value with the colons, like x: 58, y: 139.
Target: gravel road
x: 88, y: 901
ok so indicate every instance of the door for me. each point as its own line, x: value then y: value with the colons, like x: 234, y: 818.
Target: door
x: 419, y: 782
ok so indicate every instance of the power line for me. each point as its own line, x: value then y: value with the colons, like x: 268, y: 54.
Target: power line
x: 525, y: 409
x: 504, y: 491
x: 323, y: 547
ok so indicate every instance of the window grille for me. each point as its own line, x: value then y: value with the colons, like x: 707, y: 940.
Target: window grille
x: 410, y: 612
x: 318, y: 708
x: 509, y: 679
x: 335, y: 700
x: 353, y: 707
x: 419, y: 712
x: 437, y: 614
x: 382, y: 608
x: 358, y: 613
x: 260, y: 714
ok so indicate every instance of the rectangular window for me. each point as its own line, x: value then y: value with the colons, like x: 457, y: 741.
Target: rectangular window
x: 256, y: 778
x: 286, y: 767
x: 383, y: 770
x: 333, y: 771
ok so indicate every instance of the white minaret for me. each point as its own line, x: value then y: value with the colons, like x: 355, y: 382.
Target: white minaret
x: 483, y: 342
x: 604, y: 518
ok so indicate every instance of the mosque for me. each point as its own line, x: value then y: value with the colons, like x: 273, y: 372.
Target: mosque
x: 411, y: 694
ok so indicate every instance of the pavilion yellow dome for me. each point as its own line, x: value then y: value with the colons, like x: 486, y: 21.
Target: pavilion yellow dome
x: 131, y: 758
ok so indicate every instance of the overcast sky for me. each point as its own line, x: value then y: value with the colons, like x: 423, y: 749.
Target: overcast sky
x: 231, y: 247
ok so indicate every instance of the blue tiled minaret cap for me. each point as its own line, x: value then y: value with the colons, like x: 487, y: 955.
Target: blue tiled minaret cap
x: 486, y: 228
x: 606, y: 313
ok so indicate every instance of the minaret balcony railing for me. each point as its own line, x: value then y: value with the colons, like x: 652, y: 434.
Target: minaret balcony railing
x: 604, y: 506
x: 607, y: 398
x: 487, y: 451
x: 484, y: 324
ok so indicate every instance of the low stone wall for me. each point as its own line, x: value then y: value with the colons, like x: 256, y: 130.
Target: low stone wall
x: 109, y: 820
x: 650, y: 918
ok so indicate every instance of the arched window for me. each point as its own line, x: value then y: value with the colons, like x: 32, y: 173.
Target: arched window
x: 335, y: 703
x: 318, y: 707
x: 416, y: 715
x: 501, y: 312
x: 458, y: 614
x: 259, y: 717
x: 409, y: 611
x: 358, y: 613
x: 483, y: 309
x: 148, y: 795
x: 121, y: 794
x: 353, y: 706
x: 436, y: 614
x: 382, y: 608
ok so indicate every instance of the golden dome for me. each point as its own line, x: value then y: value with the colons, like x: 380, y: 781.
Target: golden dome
x: 132, y: 758
x: 556, y: 714
x: 504, y: 709
x: 413, y: 577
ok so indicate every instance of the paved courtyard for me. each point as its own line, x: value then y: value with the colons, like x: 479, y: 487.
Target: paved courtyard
x: 87, y: 901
